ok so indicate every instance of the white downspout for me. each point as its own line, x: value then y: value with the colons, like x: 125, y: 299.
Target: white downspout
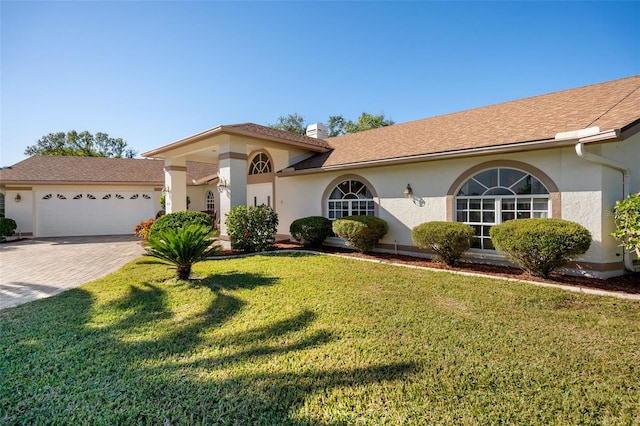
x: 594, y: 158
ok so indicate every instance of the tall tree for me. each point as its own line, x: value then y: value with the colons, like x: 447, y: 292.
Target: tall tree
x: 337, y: 125
x: 82, y: 144
x: 294, y: 123
x: 367, y: 121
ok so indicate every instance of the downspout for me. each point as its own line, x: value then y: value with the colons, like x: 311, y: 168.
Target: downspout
x: 598, y: 159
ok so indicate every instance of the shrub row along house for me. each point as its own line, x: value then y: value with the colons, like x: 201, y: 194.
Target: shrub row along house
x: 569, y: 154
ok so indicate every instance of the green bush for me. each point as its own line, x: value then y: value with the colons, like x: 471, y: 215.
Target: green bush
x: 252, y: 229
x: 310, y: 231
x: 182, y: 247
x: 180, y: 220
x: 361, y: 232
x: 7, y: 227
x: 448, y: 240
x: 627, y: 218
x: 540, y: 246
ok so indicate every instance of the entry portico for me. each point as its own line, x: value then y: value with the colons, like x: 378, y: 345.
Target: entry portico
x: 247, y: 157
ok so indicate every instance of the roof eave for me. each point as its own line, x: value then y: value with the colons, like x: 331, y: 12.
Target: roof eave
x: 232, y: 131
x: 609, y: 135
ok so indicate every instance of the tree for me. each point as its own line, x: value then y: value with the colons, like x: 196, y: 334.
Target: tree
x: 294, y: 123
x: 627, y: 219
x: 336, y: 124
x: 367, y: 121
x: 82, y: 144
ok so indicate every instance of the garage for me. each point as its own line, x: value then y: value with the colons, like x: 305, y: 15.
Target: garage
x: 87, y: 212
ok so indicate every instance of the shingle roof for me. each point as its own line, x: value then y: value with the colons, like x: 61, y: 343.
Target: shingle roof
x: 251, y: 130
x: 93, y: 170
x: 611, y: 106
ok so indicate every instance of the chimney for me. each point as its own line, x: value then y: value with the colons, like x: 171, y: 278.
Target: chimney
x: 317, y: 130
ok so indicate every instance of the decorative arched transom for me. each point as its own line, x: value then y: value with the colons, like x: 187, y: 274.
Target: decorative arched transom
x: 350, y: 196
x: 496, y: 195
x: 260, y: 164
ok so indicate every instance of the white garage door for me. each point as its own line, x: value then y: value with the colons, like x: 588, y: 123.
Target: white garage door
x: 62, y: 214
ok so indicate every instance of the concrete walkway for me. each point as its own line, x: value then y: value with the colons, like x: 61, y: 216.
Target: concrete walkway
x: 38, y: 268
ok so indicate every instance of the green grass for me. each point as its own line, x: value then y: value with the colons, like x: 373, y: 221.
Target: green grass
x: 311, y: 339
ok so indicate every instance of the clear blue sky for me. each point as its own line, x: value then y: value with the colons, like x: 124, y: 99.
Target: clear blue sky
x: 154, y: 72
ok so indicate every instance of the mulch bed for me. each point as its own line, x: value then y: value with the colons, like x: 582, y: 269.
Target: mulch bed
x: 628, y: 283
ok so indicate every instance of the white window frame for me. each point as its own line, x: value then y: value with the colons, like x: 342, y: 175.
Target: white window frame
x: 210, y: 200
x: 482, y: 211
x: 354, y: 201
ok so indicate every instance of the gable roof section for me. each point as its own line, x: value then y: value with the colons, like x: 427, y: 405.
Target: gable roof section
x: 251, y: 130
x: 42, y: 169
x: 613, y: 105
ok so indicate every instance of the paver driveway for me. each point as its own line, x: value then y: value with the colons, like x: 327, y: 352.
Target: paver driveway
x: 38, y: 268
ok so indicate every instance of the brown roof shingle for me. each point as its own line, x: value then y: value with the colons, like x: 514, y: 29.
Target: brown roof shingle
x: 611, y: 106
x: 94, y: 170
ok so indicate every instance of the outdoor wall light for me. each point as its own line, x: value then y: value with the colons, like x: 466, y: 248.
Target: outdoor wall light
x: 18, y: 198
x: 408, y: 192
x: 223, y: 185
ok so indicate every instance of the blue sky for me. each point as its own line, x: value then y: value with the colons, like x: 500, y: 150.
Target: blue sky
x: 154, y: 72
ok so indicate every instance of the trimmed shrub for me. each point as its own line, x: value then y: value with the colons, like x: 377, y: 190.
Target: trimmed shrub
x: 143, y: 229
x: 7, y: 227
x: 179, y: 220
x: 182, y: 247
x: 310, y: 231
x: 540, y: 246
x: 252, y: 229
x: 627, y: 218
x: 361, y: 232
x: 448, y: 240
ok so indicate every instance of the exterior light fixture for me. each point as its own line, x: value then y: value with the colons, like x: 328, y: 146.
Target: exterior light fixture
x: 408, y: 192
x: 223, y: 185
x: 18, y: 198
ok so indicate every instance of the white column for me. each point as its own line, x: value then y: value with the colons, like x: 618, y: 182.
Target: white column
x: 175, y: 182
x: 233, y: 172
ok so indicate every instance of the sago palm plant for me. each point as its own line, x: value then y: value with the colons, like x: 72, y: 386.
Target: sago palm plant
x: 183, y: 247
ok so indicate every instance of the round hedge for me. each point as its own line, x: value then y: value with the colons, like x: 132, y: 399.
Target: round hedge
x: 179, y: 220
x: 310, y: 231
x: 540, y: 246
x: 448, y: 240
x: 361, y: 232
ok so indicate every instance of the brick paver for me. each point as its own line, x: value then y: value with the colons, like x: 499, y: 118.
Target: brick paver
x: 38, y: 268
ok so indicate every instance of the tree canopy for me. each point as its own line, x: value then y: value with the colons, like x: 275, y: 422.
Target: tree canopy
x: 336, y: 124
x: 82, y: 144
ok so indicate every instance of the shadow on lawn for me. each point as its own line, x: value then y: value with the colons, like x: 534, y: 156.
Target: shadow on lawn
x: 104, y: 375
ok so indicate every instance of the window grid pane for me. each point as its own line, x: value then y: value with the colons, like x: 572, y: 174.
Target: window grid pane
x: 482, y: 212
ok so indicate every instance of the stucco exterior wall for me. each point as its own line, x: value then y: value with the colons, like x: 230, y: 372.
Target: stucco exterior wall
x: 587, y: 194
x: 21, y: 212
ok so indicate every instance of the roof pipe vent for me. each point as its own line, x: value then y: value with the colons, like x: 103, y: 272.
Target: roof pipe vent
x: 318, y: 131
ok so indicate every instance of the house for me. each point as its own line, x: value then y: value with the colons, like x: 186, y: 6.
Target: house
x: 50, y: 196
x: 570, y: 154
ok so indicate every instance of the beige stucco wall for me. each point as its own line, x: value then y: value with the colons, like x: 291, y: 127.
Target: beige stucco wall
x: 21, y: 212
x: 588, y: 192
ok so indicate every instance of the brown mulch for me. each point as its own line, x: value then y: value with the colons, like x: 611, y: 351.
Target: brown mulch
x: 628, y: 283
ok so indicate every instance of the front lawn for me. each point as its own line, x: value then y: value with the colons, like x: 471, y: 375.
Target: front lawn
x: 313, y: 339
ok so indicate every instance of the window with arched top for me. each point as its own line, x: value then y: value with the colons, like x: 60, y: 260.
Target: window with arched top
x: 350, y: 197
x: 211, y: 201
x: 494, y: 196
x: 260, y: 164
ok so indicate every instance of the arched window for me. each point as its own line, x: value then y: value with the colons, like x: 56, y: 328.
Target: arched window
x: 350, y: 197
x: 260, y: 164
x: 497, y: 195
x: 211, y: 201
